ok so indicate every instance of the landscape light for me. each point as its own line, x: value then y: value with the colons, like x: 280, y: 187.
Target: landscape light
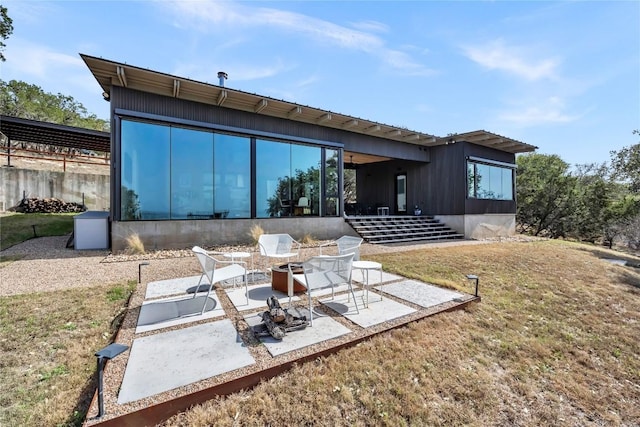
x: 474, y: 277
x: 107, y: 353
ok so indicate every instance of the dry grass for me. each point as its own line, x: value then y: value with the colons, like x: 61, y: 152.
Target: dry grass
x: 255, y: 232
x: 134, y: 244
x: 308, y: 240
x: 47, y: 347
x: 555, y: 341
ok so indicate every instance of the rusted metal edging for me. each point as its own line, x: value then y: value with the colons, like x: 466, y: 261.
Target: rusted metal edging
x: 155, y: 414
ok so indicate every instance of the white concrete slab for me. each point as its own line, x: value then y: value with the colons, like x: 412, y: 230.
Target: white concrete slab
x: 167, y: 312
x: 377, y: 312
x: 258, y: 295
x: 357, y: 275
x: 253, y: 277
x: 420, y: 293
x: 165, y: 361
x: 164, y: 288
x: 324, y: 328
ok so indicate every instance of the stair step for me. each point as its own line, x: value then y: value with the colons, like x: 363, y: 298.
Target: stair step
x: 396, y: 229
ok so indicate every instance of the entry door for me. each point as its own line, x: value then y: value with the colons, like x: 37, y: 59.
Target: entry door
x: 401, y: 193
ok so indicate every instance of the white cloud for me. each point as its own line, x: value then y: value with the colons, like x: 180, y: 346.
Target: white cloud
x: 207, y: 72
x: 373, y: 26
x: 549, y: 111
x: 207, y: 16
x: 497, y: 55
x: 37, y: 60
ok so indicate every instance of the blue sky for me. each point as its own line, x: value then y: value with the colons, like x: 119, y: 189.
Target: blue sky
x: 564, y: 76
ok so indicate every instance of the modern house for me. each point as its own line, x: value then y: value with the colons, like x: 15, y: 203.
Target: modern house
x: 201, y: 163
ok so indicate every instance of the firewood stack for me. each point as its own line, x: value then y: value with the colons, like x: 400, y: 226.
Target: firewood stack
x: 48, y: 205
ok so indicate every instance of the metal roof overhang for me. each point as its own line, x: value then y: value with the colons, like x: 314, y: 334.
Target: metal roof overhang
x: 17, y: 129
x: 110, y: 73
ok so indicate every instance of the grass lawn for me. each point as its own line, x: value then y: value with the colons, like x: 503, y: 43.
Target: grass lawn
x: 18, y: 227
x: 555, y: 341
x: 47, y: 347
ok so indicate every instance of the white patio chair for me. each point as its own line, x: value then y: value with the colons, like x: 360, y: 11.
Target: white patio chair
x: 278, y: 246
x: 322, y: 272
x: 214, y: 274
x: 346, y: 245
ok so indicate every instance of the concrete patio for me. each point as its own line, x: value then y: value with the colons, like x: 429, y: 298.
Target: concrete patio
x: 179, y: 357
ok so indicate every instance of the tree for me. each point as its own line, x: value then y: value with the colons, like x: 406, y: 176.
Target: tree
x: 544, y: 193
x: 6, y: 29
x: 626, y: 165
x: 27, y: 101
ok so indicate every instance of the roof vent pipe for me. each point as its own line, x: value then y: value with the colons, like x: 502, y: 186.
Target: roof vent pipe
x: 222, y: 76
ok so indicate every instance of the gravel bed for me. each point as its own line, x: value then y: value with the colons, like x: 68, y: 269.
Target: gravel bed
x: 45, y: 264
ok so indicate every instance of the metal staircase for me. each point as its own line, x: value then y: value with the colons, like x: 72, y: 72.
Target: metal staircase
x: 401, y: 228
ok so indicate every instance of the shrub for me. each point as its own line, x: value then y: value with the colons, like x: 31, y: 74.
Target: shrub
x: 134, y: 244
x: 255, y: 233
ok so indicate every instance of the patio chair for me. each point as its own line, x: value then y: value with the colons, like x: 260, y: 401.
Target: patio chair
x: 321, y: 272
x: 346, y: 245
x: 213, y: 273
x: 278, y: 246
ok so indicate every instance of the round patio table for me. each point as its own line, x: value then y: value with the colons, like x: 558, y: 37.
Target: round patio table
x: 365, y: 266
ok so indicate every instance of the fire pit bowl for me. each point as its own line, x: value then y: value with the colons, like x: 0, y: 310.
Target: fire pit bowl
x: 279, y: 274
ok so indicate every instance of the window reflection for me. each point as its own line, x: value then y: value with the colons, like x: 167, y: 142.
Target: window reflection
x: 273, y: 179
x: 489, y: 182
x: 232, y: 166
x: 145, y: 171
x: 305, y: 163
x: 170, y: 172
x: 331, y: 182
x: 191, y: 177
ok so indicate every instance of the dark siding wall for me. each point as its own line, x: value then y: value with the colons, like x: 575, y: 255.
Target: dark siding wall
x: 376, y: 183
x: 127, y: 99
x: 446, y: 181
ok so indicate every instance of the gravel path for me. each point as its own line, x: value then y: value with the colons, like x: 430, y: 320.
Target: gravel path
x: 47, y: 265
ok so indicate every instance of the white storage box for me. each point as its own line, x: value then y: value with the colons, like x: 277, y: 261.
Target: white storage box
x: 91, y: 230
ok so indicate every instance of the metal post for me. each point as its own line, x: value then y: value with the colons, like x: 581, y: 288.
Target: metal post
x: 100, y: 393
x: 107, y: 353
x: 140, y: 271
x: 474, y: 277
x: 34, y: 230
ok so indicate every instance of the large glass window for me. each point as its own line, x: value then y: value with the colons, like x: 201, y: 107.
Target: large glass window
x: 145, y: 181
x: 305, y: 164
x: 331, y: 178
x: 273, y: 179
x: 171, y: 172
x: 232, y: 167
x: 486, y: 181
x: 191, y: 174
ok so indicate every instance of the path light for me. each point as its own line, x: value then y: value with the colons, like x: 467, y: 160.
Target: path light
x: 140, y: 270
x: 107, y: 353
x: 474, y: 277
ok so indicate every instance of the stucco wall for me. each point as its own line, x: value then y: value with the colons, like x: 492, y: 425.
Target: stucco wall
x: 67, y: 186
x: 187, y: 233
x: 481, y: 226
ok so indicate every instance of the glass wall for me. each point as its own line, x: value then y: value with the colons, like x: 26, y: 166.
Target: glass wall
x: 232, y: 176
x: 273, y: 179
x: 305, y: 164
x: 287, y: 179
x: 332, y: 182
x: 191, y: 177
x: 489, y: 182
x: 171, y: 172
x: 145, y: 181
